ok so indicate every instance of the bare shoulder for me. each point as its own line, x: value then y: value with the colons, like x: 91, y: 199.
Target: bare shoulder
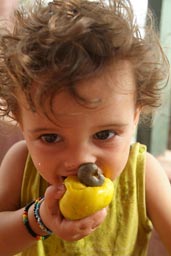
x: 155, y: 174
x: 11, y: 173
x: 158, y: 199
x: 158, y: 189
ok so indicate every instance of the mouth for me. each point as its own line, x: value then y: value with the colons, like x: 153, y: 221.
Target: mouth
x: 64, y: 177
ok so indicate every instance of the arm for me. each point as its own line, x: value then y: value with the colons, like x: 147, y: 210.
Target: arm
x: 11, y: 226
x: 158, y: 197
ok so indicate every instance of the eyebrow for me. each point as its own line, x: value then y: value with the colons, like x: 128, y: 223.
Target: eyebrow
x: 114, y: 125
x: 103, y: 126
x: 40, y: 130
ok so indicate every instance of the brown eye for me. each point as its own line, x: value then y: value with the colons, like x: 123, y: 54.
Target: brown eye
x: 90, y: 175
x: 104, y: 135
x: 50, y: 138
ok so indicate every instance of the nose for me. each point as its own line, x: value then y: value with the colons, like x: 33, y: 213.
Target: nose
x: 78, y: 156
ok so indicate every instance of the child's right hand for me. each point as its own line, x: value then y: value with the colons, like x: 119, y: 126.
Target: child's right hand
x: 66, y: 229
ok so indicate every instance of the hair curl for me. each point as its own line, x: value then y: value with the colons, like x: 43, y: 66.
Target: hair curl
x: 63, y: 42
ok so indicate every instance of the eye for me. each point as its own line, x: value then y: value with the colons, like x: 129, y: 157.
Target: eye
x: 50, y: 138
x: 104, y: 135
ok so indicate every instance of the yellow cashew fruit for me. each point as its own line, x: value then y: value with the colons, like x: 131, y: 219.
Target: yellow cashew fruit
x: 80, y: 201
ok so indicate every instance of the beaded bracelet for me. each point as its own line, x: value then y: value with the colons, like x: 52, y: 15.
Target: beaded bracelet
x: 27, y: 225
x: 42, y: 226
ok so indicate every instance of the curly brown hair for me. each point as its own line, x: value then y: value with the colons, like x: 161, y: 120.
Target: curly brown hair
x: 63, y: 42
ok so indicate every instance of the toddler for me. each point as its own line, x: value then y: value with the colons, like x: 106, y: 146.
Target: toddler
x: 76, y: 75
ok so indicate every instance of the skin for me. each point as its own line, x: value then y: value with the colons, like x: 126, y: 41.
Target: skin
x: 76, y: 134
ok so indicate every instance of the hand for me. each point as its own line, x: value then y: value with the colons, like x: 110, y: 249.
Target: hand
x: 67, y: 229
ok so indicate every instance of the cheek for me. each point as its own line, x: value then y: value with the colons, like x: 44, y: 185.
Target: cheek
x: 47, y: 173
x: 114, y: 169
x: 40, y: 159
x: 43, y: 166
x: 115, y: 163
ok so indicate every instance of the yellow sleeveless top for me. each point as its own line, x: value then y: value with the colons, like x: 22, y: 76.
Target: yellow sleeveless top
x: 126, y: 229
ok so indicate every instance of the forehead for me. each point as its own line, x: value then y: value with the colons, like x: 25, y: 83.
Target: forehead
x: 115, y: 77
x: 116, y: 80
x: 112, y: 88
x: 111, y: 95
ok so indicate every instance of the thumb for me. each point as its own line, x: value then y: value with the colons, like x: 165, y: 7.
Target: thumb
x: 50, y: 206
x: 55, y: 192
x: 52, y: 196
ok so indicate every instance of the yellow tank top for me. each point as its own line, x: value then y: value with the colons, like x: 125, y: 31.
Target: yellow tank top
x: 126, y: 229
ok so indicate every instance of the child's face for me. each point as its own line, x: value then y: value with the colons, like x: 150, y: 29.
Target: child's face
x: 78, y: 134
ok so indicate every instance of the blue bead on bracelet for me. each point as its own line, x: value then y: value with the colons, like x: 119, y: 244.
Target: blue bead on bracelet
x: 42, y: 226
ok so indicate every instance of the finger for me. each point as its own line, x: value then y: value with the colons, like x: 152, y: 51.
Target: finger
x: 55, y: 191
x: 83, y: 227
x: 94, y: 220
x: 52, y: 195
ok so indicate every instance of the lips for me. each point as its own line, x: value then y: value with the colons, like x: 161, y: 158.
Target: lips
x: 68, y: 174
